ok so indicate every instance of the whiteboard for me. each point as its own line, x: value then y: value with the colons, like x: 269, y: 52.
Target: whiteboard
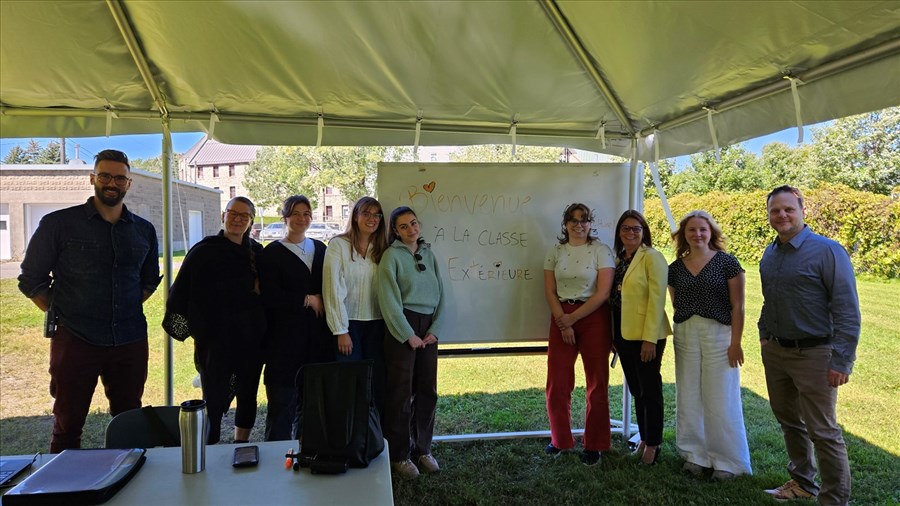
x: 490, y: 226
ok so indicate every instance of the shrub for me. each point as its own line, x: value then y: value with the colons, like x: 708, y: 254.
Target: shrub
x: 866, y: 224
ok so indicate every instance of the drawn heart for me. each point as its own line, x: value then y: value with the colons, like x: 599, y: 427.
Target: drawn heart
x: 429, y: 187
x: 498, y: 264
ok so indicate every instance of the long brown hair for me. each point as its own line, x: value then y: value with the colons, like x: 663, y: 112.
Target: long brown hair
x: 378, y: 240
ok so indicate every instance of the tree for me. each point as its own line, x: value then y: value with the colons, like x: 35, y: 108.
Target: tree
x: 737, y: 171
x: 862, y: 152
x: 279, y: 172
x: 353, y: 170
x: 666, y: 173
x: 154, y: 164
x: 16, y: 155
x: 50, y: 154
x: 32, y: 152
x: 282, y: 171
x: 502, y: 153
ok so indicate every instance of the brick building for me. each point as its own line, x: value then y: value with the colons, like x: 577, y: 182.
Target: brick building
x: 28, y: 192
x: 224, y: 166
x: 219, y: 166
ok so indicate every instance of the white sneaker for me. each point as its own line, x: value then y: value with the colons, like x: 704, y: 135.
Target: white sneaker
x: 405, y: 469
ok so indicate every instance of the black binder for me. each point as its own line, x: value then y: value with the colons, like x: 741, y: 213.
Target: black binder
x: 78, y: 477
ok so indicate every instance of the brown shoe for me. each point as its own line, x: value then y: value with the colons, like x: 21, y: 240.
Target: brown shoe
x: 429, y: 464
x: 405, y: 469
x: 790, y: 490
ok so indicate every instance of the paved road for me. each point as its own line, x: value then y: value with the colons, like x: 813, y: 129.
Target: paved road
x: 9, y: 270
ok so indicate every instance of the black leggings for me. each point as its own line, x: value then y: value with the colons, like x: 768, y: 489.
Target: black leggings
x: 220, y: 389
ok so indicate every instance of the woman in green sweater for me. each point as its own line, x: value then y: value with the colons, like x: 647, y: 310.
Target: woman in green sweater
x: 410, y: 294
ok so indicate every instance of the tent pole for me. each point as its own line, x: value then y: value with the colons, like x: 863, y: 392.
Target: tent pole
x: 167, y: 251
x: 581, y: 54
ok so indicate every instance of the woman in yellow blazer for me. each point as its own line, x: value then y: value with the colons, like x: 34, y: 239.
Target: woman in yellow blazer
x: 640, y: 325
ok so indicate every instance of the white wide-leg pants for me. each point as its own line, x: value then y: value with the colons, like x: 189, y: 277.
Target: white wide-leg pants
x: 710, y: 422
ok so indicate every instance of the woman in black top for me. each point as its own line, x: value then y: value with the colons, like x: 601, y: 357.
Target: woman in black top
x: 216, y: 295
x: 290, y: 273
x: 707, y: 289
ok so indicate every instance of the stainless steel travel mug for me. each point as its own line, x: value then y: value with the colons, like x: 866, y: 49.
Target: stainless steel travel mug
x: 194, y: 426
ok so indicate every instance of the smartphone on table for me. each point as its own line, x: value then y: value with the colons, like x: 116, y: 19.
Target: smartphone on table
x: 246, y: 456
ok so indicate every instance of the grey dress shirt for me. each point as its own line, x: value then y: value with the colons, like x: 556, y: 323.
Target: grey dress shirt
x: 809, y: 291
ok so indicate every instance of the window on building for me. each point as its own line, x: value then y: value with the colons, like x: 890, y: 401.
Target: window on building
x: 199, y: 172
x: 345, y: 211
x: 231, y: 170
x: 215, y: 171
x: 329, y: 190
x: 329, y: 212
x: 232, y: 192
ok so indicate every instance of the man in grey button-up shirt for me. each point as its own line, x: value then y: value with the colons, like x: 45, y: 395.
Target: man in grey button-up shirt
x: 809, y: 329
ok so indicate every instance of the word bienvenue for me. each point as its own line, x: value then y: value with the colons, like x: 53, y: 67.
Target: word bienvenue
x: 421, y: 199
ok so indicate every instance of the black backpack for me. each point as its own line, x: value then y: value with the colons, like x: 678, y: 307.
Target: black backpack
x: 341, y: 424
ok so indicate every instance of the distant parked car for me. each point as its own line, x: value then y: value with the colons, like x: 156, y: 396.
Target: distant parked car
x: 321, y: 231
x: 338, y: 229
x: 272, y: 232
x: 254, y: 232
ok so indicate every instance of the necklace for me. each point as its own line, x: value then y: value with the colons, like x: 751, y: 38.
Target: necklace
x: 299, y: 245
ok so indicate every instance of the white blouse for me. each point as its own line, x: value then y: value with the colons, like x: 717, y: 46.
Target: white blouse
x: 348, y: 286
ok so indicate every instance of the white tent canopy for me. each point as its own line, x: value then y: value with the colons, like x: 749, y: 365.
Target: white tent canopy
x: 590, y: 75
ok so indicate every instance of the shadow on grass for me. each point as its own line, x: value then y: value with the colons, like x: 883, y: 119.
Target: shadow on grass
x: 505, y: 472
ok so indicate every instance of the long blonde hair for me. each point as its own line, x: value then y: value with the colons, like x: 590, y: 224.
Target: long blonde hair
x: 716, y: 240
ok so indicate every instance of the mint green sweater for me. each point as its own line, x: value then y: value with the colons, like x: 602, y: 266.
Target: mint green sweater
x: 401, y: 285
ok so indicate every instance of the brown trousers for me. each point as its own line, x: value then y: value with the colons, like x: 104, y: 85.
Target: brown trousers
x: 411, y: 393
x: 804, y: 404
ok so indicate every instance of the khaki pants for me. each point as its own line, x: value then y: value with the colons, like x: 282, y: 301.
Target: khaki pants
x: 804, y: 404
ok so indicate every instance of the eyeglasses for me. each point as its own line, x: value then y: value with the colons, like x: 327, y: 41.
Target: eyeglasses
x: 367, y: 215
x: 573, y: 221
x: 419, y: 265
x: 637, y: 229
x: 239, y: 216
x: 105, y: 178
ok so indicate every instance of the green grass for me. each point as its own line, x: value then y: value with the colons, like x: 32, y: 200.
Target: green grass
x: 506, y: 393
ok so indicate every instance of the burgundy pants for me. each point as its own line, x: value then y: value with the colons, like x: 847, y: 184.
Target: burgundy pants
x: 75, y: 366
x: 593, y: 340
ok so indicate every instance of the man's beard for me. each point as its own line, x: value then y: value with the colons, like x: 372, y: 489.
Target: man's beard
x: 106, y: 200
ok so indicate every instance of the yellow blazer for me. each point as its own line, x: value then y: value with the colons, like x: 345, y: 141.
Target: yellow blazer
x: 644, y: 297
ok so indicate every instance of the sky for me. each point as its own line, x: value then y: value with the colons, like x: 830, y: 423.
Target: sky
x: 150, y: 145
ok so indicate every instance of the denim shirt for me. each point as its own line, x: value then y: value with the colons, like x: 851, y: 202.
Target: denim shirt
x: 809, y: 291
x: 97, y: 272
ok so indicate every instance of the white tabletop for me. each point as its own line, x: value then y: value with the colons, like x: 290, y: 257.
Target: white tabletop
x: 160, y: 480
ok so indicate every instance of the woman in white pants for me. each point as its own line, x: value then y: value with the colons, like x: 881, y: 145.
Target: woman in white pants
x: 707, y: 289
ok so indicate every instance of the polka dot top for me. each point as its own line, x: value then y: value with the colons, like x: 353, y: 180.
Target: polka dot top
x: 706, y: 294
x: 575, y: 268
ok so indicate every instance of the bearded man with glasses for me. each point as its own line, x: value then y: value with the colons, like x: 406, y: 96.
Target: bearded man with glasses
x: 90, y: 268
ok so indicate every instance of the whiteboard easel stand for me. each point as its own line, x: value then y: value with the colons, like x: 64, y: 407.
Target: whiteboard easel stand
x: 623, y: 426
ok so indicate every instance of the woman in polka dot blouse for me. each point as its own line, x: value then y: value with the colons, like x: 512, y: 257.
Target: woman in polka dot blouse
x: 707, y: 289
x: 578, y: 274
